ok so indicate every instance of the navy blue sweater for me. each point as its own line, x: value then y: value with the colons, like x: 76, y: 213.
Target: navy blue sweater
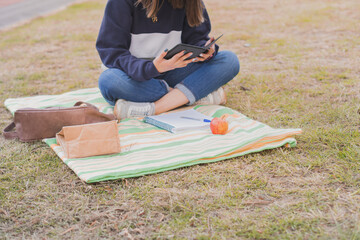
x: 128, y: 39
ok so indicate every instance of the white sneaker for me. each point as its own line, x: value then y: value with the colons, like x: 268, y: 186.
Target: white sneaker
x: 216, y: 97
x: 126, y: 109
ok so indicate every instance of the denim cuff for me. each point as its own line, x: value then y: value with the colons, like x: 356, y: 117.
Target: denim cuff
x: 190, y: 96
x: 166, y: 84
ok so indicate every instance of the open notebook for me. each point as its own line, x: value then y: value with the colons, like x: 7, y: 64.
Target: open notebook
x: 180, y: 121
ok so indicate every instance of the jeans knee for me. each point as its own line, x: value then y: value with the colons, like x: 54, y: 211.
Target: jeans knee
x: 231, y: 62
x: 105, y: 83
x: 104, y: 80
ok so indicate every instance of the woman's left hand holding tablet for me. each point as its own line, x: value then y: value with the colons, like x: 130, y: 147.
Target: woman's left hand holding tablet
x: 209, y: 53
x: 177, y: 61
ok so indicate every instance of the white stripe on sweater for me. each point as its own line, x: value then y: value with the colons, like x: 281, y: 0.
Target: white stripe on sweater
x: 151, y: 45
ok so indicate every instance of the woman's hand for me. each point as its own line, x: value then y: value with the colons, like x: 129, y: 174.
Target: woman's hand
x: 207, y: 54
x: 177, y: 61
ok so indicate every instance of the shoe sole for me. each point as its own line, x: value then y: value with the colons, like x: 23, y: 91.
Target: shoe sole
x: 223, y: 96
x: 115, y: 109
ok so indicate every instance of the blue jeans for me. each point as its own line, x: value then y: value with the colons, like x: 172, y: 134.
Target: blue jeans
x: 196, y: 81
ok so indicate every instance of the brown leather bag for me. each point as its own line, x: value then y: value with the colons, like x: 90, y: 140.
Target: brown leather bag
x: 33, y: 124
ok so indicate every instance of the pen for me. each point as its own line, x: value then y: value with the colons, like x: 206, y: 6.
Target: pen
x: 197, y: 119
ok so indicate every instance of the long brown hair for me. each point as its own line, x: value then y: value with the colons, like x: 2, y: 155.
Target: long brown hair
x: 193, y: 9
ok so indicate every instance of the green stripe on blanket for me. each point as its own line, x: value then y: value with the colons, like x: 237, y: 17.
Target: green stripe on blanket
x: 147, y: 149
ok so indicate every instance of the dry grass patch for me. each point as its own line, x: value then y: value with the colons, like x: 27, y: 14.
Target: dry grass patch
x: 300, y: 68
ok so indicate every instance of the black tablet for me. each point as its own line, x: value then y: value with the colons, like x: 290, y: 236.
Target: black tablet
x: 196, y: 50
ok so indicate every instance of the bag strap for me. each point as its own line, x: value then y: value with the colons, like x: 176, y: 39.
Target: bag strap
x: 85, y: 103
x: 7, y: 132
x: 107, y: 116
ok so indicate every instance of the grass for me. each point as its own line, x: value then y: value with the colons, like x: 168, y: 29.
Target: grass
x: 300, y: 64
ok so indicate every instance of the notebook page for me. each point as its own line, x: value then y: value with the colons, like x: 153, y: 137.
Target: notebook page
x: 175, y: 119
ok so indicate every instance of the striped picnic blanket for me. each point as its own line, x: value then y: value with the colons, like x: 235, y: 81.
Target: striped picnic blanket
x: 147, y: 149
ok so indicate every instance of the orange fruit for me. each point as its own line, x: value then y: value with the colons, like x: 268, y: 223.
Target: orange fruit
x: 219, y: 126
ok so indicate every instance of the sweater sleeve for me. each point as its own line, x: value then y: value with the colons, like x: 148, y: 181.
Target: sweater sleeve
x: 198, y: 35
x: 114, y: 40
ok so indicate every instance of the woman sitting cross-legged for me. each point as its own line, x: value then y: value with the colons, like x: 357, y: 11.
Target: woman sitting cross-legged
x: 139, y: 81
